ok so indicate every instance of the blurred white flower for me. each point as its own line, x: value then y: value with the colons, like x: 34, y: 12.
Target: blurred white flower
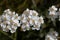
x: 25, y: 27
x: 36, y: 27
x: 33, y: 13
x: 37, y: 23
x: 26, y: 12
x: 53, y: 13
x: 10, y: 21
x: 41, y: 20
x: 52, y: 8
x: 51, y: 36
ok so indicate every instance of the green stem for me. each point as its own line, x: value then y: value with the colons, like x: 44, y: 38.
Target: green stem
x: 5, y: 34
x: 15, y: 36
x: 35, y: 5
x: 33, y: 1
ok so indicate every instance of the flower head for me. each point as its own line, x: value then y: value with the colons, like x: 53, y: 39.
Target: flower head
x: 52, y: 10
x: 51, y: 36
x: 9, y: 21
x: 30, y: 18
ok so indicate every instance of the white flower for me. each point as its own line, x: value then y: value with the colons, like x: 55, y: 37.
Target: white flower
x: 53, y: 8
x: 10, y: 21
x: 36, y: 27
x: 41, y: 20
x: 25, y: 27
x: 26, y: 12
x: 51, y: 36
x: 52, y: 13
x: 33, y: 12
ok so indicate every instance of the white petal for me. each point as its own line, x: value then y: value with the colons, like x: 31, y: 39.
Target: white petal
x: 14, y: 27
x: 13, y: 13
x: 27, y: 9
x: 12, y: 31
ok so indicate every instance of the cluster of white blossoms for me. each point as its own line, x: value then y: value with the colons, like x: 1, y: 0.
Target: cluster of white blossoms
x: 9, y: 21
x: 54, y: 13
x: 52, y: 35
x: 52, y: 10
x: 30, y: 20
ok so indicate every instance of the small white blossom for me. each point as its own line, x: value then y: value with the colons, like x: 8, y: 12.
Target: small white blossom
x: 41, y: 20
x: 25, y: 27
x: 53, y: 13
x: 33, y: 12
x: 51, y: 36
x: 53, y: 8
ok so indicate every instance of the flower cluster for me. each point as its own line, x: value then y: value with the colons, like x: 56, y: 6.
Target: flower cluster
x: 30, y: 20
x: 52, y: 36
x: 52, y: 10
x: 9, y: 21
x: 54, y: 13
